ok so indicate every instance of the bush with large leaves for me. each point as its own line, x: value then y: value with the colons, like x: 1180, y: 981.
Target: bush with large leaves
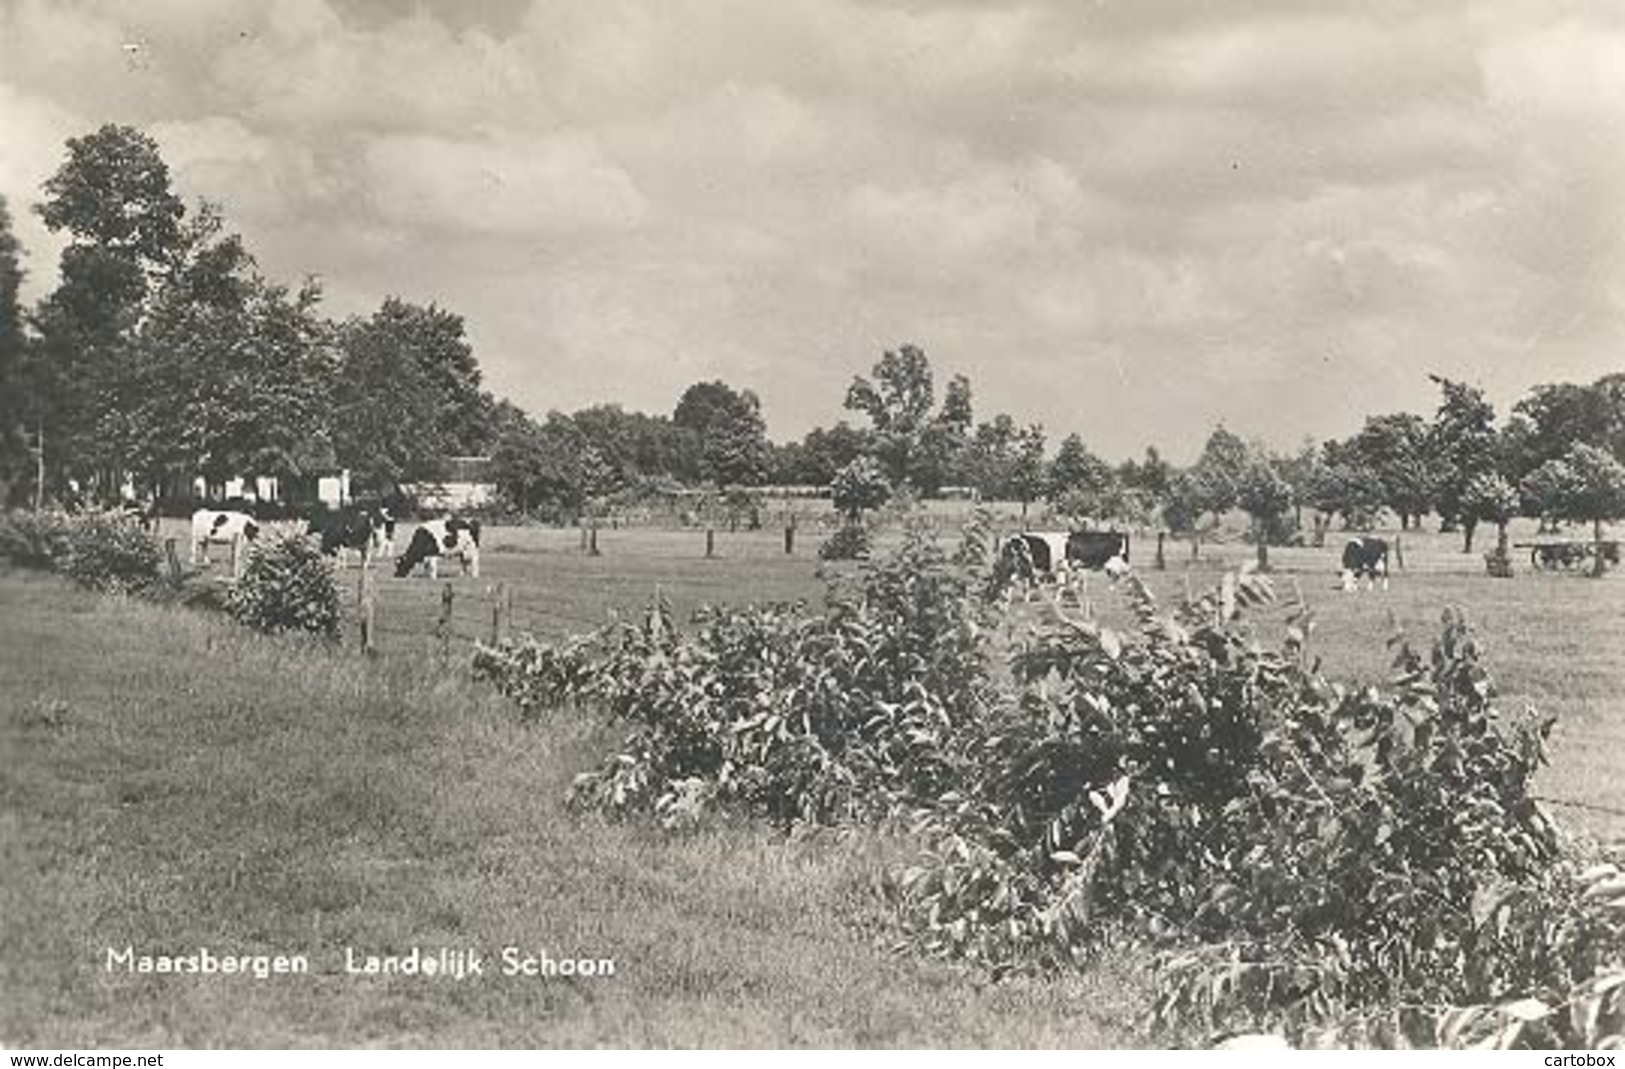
x: 1299, y: 854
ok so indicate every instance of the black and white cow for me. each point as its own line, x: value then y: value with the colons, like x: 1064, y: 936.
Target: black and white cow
x: 1037, y: 554
x: 370, y: 531
x: 449, y: 537
x: 214, y: 525
x: 1365, y: 557
x: 1105, y: 551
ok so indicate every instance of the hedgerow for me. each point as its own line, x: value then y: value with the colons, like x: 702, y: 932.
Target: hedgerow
x: 1345, y: 865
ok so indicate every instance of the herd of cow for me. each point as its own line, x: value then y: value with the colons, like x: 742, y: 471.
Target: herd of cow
x: 1056, y: 554
x: 1032, y: 556
x: 366, y: 531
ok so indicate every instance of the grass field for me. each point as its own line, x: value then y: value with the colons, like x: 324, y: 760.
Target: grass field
x: 1554, y: 639
x: 172, y: 781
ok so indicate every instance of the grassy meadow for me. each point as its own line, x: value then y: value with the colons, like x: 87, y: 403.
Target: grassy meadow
x: 171, y: 781
x: 1555, y: 639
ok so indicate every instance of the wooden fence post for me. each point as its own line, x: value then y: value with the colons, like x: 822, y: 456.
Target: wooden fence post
x: 583, y: 538
x: 710, y: 542
x: 237, y: 557
x: 173, y: 558
x: 790, y: 537
x: 501, y: 612
x: 443, y: 628
x: 367, y: 603
x: 592, y: 541
x: 1162, y: 563
x: 1399, y: 553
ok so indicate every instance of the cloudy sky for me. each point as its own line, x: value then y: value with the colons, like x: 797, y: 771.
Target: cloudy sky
x: 1128, y: 218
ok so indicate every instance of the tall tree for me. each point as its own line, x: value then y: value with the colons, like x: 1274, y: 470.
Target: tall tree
x: 1394, y: 450
x: 898, y: 404
x: 114, y: 193
x: 1463, y: 443
x: 729, y: 427
x: 112, y: 198
x: 1218, y: 472
x: 1557, y: 415
x: 1265, y: 496
x: 815, y: 460
x: 228, y: 374
x: 1491, y: 498
x: 944, y: 440
x: 1081, y: 484
x: 858, y: 486
x: 990, y: 457
x: 15, y: 465
x: 538, y: 466
x: 1028, y: 472
x: 1585, y: 485
x: 407, y: 393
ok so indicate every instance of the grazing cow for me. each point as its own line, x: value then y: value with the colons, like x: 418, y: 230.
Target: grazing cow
x: 1095, y: 550
x: 211, y: 525
x: 1365, y: 558
x: 368, y: 531
x: 142, y: 511
x: 1033, y: 555
x: 449, y: 537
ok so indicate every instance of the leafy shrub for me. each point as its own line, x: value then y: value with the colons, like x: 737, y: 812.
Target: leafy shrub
x: 1297, y: 855
x: 849, y: 542
x: 34, y: 539
x: 786, y: 713
x: 1202, y: 791
x: 287, y: 585
x: 110, y: 551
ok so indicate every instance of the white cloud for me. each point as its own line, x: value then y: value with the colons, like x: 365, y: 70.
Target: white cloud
x: 504, y: 187
x: 1210, y: 207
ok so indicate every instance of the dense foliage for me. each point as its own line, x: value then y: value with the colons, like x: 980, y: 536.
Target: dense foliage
x: 287, y: 585
x: 34, y: 539
x: 850, y: 541
x: 109, y: 551
x: 1300, y: 855
x: 163, y: 354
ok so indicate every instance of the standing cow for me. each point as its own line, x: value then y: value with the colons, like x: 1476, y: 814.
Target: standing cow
x: 1365, y: 558
x: 1098, y: 551
x: 449, y: 537
x: 1036, y: 555
x: 227, y: 526
x: 368, y: 531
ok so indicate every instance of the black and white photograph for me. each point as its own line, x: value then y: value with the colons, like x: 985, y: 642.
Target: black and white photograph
x: 836, y: 524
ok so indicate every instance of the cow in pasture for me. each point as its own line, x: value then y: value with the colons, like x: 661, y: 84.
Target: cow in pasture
x: 1365, y: 558
x: 141, y: 511
x: 227, y: 526
x: 370, y: 531
x: 1036, y: 555
x: 449, y: 537
x: 1096, y: 550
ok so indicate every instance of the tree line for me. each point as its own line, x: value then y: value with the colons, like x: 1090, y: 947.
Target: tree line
x: 164, y: 353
